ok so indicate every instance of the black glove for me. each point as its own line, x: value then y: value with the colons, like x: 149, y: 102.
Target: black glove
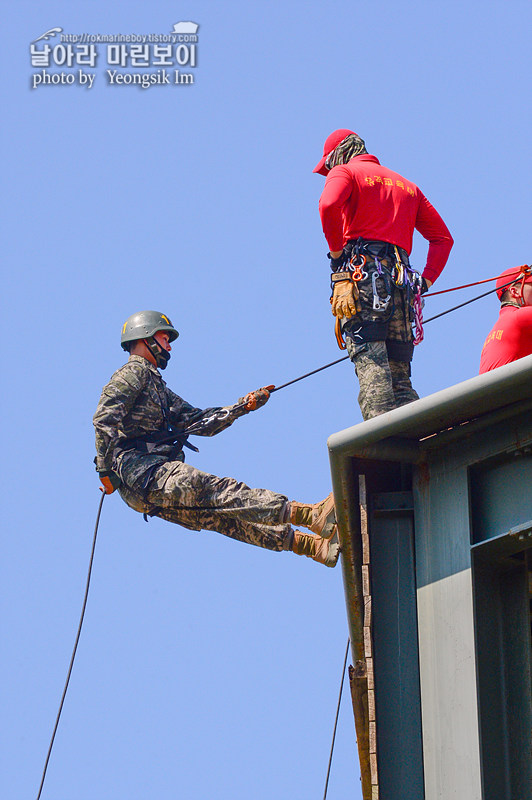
x: 337, y: 263
x: 424, y: 286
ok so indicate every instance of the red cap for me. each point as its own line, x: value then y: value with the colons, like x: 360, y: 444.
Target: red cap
x: 332, y: 141
x: 504, y: 281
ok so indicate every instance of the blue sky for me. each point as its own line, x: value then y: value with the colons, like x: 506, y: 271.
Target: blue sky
x: 208, y: 668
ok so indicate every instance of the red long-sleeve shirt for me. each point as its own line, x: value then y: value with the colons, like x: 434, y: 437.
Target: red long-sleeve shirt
x: 509, y: 339
x: 363, y: 198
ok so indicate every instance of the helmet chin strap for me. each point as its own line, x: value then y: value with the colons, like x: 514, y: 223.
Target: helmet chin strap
x: 161, y: 356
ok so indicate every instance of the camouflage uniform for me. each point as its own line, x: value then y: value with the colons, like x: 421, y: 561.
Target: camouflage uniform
x: 383, y: 377
x: 135, y: 402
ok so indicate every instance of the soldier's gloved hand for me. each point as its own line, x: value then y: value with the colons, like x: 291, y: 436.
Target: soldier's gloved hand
x: 256, y: 399
x: 110, y: 481
x: 345, y: 301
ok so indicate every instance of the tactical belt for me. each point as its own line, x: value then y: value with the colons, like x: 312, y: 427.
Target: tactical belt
x: 147, y: 443
x: 375, y: 248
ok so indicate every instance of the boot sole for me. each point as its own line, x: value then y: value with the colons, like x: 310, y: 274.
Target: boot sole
x: 327, y: 529
x: 334, y: 552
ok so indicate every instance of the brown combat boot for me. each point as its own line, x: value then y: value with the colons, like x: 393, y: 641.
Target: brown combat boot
x: 324, y: 551
x: 319, y: 518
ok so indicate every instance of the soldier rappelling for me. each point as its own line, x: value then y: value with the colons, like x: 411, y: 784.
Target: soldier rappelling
x: 141, y: 429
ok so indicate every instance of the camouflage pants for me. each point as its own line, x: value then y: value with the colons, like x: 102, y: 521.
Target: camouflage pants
x: 196, y: 500
x: 383, y: 377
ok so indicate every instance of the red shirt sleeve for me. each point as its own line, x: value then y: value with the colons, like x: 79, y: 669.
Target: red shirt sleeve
x: 338, y: 188
x: 432, y: 227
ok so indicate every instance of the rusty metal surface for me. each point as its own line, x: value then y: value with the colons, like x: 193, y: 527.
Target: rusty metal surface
x: 359, y: 696
x: 345, y: 486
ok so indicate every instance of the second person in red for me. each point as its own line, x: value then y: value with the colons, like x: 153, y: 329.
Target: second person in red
x: 511, y: 336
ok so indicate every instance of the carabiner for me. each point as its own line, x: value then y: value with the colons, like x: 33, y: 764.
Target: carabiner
x: 399, y: 278
x: 359, y: 273
x: 379, y: 303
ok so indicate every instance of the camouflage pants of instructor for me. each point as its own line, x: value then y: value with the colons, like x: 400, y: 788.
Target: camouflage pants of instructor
x: 383, y: 377
x: 178, y: 492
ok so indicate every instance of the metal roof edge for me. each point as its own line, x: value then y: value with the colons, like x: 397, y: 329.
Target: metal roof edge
x: 460, y: 403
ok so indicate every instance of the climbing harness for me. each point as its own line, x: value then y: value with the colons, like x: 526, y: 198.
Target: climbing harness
x: 378, y: 280
x: 404, y: 276
x: 148, y: 442
x: 431, y: 319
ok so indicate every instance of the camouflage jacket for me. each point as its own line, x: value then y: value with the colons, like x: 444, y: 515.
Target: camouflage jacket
x: 135, y: 402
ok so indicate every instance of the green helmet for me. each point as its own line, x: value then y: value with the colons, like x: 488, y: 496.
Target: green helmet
x: 143, y: 325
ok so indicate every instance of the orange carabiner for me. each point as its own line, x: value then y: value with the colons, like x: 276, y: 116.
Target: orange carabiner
x: 358, y: 272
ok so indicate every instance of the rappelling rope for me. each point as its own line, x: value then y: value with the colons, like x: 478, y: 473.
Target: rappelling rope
x: 336, y: 720
x: 418, y: 303
x: 78, y: 634
x: 468, y: 285
x: 75, y: 644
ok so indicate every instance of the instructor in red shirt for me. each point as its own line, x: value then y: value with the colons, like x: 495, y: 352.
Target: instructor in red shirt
x: 369, y: 214
x: 511, y: 336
